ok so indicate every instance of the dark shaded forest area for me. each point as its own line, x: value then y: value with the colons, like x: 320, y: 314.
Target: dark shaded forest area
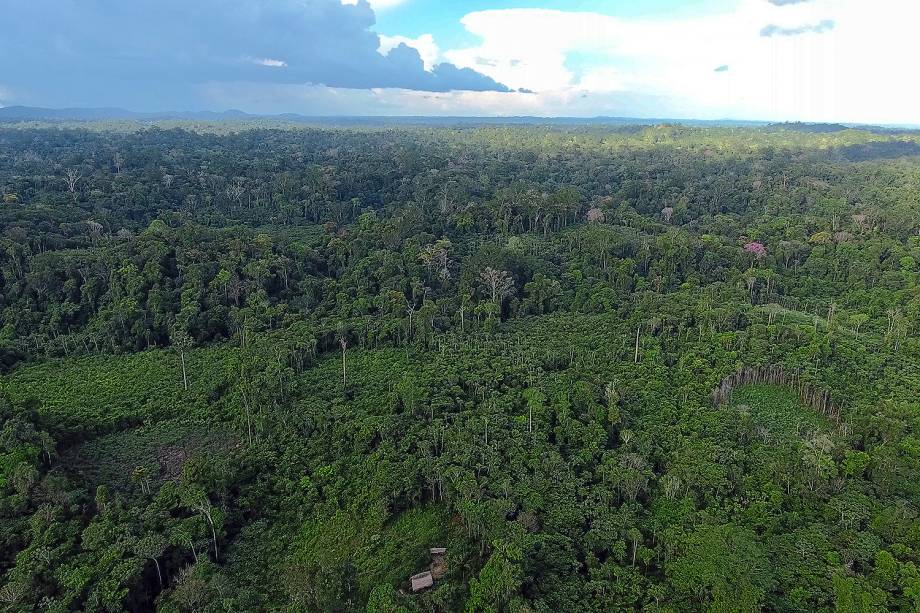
x: 258, y: 366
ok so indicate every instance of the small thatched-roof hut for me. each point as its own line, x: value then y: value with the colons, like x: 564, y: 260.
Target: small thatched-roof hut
x: 421, y: 581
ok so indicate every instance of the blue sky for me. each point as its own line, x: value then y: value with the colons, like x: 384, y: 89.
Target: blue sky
x: 812, y: 60
x: 442, y: 19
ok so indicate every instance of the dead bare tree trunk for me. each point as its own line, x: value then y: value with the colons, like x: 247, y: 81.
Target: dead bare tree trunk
x: 213, y: 534
x: 184, y: 375
x: 73, y: 177
x: 636, y: 356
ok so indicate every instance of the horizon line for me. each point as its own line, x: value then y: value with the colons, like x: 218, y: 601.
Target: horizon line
x: 240, y: 114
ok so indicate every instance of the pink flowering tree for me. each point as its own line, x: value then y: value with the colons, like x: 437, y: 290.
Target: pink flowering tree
x: 756, y: 249
x: 595, y: 215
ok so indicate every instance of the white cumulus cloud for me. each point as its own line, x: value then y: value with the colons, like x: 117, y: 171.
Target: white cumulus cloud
x: 378, y: 5
x: 424, y: 44
x: 271, y: 63
x: 852, y: 68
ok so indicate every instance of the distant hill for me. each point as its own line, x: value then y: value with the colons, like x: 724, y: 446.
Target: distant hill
x: 813, y: 128
x: 28, y: 113
x: 830, y: 128
x: 31, y: 113
x: 518, y: 121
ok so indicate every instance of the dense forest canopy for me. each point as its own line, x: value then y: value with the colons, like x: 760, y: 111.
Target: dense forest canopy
x: 266, y: 366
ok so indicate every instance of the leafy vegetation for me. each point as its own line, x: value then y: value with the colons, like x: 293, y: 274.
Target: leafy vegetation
x: 267, y: 367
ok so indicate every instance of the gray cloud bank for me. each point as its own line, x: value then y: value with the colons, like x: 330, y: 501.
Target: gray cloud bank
x: 825, y: 25
x: 155, y: 54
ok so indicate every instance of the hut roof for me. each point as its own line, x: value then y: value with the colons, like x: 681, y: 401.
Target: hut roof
x: 421, y: 581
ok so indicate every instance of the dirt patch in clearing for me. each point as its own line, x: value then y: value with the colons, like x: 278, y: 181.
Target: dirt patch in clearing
x: 171, y: 460
x: 158, y: 451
